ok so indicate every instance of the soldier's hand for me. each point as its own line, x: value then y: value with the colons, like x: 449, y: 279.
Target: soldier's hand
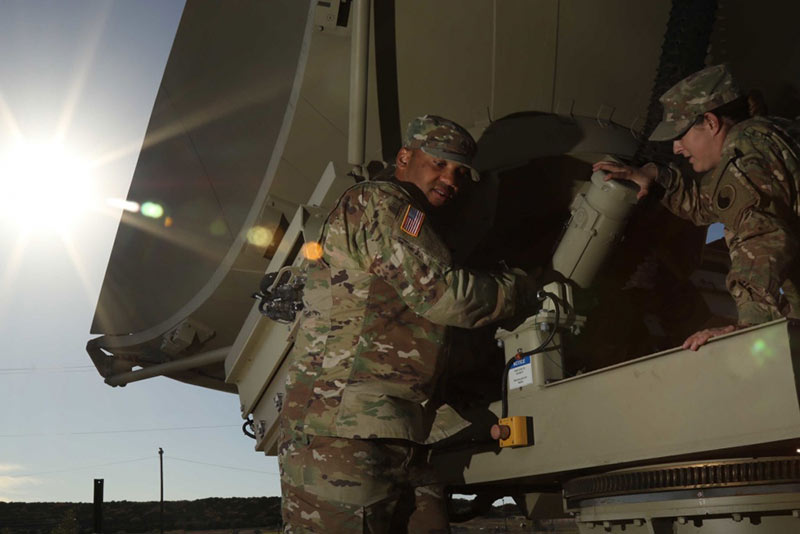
x: 527, y: 289
x: 698, y: 339
x: 641, y: 176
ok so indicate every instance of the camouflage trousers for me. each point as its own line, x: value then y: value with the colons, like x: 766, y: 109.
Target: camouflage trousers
x: 334, y: 485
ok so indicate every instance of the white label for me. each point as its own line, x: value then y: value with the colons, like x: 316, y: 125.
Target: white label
x: 521, y: 373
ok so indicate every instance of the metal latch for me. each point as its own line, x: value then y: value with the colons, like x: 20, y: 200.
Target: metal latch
x: 281, y: 294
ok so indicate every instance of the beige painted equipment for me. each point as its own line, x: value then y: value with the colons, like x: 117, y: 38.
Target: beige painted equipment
x: 597, y: 219
x: 266, y: 113
x: 596, y: 224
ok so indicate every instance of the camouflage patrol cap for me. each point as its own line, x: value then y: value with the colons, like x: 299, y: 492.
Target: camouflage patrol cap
x: 696, y: 94
x: 442, y: 138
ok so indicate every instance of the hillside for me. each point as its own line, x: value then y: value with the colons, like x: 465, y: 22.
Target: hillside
x: 138, y: 517
x: 254, y: 515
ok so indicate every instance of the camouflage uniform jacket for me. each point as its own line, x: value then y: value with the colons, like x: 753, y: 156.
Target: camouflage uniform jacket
x: 372, y: 338
x: 754, y: 193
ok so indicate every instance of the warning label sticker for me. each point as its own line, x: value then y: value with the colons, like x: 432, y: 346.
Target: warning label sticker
x: 521, y: 373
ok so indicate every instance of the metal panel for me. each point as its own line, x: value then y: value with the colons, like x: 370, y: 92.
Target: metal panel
x: 265, y: 414
x: 218, y: 118
x: 738, y: 391
x: 262, y: 344
x: 525, y: 36
x: 607, y: 57
x: 444, y: 56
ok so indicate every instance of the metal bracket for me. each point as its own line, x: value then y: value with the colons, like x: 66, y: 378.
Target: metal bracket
x: 182, y: 336
x: 331, y: 17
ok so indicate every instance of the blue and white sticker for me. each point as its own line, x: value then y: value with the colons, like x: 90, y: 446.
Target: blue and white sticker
x: 521, y: 373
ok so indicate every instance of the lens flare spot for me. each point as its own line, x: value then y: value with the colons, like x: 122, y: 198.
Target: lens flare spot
x: 259, y: 236
x: 122, y: 204
x: 152, y: 210
x: 761, y: 351
x: 312, y: 251
x: 218, y: 227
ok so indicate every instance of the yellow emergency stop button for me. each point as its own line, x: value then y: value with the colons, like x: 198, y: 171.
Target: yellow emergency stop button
x: 514, y: 431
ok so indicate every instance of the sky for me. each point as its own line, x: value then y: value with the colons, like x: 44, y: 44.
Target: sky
x: 77, y: 82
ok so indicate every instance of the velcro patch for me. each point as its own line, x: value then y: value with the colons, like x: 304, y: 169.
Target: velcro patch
x: 412, y: 221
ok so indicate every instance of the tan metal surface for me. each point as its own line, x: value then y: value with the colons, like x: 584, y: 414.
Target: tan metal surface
x: 265, y: 413
x: 539, y: 55
x: 737, y: 391
x: 211, y: 108
x: 158, y: 275
x: 712, y: 515
x: 474, y: 61
x: 699, y: 505
x: 359, y: 71
x: 710, y: 525
x: 191, y: 362
x: 262, y: 344
x: 596, y: 224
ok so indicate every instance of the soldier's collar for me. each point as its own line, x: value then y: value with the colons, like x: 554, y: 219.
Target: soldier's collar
x: 414, y: 192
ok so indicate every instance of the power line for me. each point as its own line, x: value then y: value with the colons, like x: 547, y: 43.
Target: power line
x: 38, y: 473
x: 46, y: 370
x: 120, y: 431
x: 76, y: 468
x: 222, y: 466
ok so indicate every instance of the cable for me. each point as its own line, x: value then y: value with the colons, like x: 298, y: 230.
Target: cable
x: 49, y: 370
x: 249, y: 424
x: 520, y: 355
x: 76, y: 468
x: 37, y: 473
x: 223, y: 466
x: 124, y: 431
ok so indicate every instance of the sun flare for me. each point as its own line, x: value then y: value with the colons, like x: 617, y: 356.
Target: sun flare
x: 45, y: 186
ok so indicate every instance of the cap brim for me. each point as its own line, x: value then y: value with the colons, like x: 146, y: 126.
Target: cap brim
x: 456, y: 158
x: 669, y: 130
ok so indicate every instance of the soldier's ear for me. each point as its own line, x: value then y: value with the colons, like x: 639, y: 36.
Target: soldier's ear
x: 403, y: 157
x: 713, y: 122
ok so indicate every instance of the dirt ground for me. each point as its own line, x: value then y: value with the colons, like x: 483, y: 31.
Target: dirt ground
x: 514, y: 525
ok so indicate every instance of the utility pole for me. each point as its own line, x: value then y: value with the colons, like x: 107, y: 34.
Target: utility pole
x: 161, y: 468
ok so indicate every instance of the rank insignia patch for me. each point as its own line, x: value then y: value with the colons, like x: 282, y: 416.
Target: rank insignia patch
x: 412, y: 222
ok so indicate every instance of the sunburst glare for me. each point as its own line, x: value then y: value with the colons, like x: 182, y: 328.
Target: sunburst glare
x: 46, y: 186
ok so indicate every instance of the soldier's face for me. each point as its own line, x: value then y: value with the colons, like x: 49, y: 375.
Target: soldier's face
x: 702, y: 144
x: 439, y: 179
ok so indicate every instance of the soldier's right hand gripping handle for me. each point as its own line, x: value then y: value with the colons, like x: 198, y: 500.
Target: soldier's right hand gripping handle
x: 529, y: 287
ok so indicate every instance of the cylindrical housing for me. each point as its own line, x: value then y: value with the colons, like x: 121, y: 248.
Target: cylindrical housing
x: 359, y: 54
x: 598, y: 218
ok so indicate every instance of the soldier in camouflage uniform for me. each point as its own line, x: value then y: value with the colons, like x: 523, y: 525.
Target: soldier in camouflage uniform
x: 360, y: 402
x: 752, y: 170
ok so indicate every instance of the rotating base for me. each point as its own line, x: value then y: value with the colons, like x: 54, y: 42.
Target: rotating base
x: 740, y: 496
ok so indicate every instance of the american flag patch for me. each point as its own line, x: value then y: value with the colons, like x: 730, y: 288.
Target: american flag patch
x: 412, y: 222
